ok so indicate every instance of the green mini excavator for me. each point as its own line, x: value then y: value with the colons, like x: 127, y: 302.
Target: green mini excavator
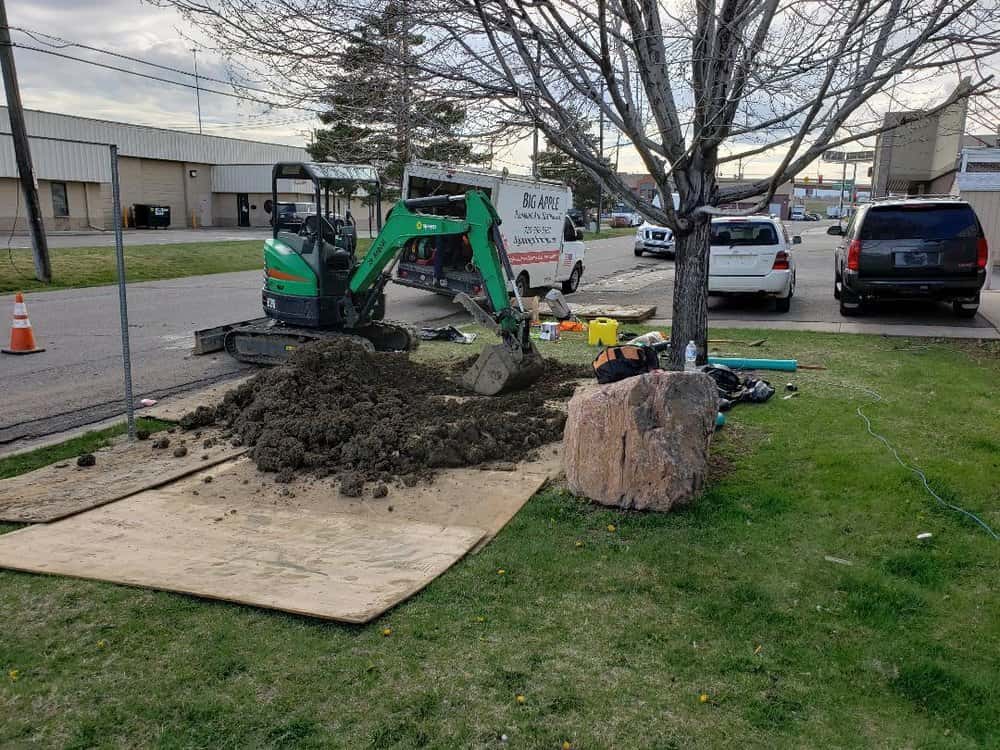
x: 316, y: 289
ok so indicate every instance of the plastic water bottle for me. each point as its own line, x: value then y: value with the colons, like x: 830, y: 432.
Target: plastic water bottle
x: 690, y: 355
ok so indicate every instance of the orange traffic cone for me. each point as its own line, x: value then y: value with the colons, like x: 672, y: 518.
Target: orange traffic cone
x: 22, y: 338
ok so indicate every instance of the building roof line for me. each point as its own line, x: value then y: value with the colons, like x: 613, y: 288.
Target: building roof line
x: 152, y: 127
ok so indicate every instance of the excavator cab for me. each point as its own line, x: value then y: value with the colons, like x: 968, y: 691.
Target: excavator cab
x: 307, y: 267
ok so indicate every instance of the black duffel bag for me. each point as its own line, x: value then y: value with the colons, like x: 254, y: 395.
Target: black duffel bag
x: 625, y: 361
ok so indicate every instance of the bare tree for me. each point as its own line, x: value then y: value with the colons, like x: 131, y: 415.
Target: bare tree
x: 691, y: 84
x: 306, y: 54
x: 695, y: 84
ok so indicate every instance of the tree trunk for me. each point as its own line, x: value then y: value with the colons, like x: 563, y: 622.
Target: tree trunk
x: 690, y: 313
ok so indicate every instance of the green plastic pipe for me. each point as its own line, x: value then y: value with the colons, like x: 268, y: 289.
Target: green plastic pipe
x: 743, y: 363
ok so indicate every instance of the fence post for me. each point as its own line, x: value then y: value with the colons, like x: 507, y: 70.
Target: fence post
x: 122, y: 298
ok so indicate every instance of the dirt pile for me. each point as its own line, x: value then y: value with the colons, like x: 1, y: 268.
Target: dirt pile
x: 379, y: 417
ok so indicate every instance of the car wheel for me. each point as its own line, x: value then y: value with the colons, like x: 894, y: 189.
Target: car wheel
x: 964, y: 312
x: 783, y: 304
x: 522, y: 284
x: 573, y: 282
x: 836, y: 283
x: 638, y: 252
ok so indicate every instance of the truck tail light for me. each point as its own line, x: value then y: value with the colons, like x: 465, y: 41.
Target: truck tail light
x: 780, y: 261
x: 854, y: 255
x: 982, y: 251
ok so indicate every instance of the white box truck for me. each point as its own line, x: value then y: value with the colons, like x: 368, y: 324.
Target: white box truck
x: 546, y: 249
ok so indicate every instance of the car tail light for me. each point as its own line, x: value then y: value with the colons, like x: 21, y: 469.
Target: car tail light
x: 982, y: 250
x: 780, y: 261
x: 402, y: 274
x: 853, y: 255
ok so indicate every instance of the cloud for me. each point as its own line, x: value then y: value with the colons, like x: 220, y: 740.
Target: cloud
x: 139, y: 30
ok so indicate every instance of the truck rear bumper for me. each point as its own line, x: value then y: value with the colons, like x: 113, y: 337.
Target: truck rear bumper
x: 862, y: 289
x: 776, y: 283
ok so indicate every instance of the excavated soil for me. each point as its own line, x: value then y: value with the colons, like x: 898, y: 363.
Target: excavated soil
x: 378, y: 417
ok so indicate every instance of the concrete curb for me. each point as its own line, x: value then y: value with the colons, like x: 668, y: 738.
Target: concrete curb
x: 871, y: 329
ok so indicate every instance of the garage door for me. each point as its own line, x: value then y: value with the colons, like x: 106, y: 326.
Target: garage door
x: 162, y: 183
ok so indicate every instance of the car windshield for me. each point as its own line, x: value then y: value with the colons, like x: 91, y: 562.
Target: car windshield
x: 731, y: 233
x: 920, y: 222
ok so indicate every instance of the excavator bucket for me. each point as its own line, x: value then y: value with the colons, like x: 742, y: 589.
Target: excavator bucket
x: 502, y: 368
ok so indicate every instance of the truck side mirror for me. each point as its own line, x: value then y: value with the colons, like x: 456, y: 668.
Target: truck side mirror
x: 797, y: 240
x: 835, y: 230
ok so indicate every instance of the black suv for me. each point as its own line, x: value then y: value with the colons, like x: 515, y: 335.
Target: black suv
x: 911, y: 248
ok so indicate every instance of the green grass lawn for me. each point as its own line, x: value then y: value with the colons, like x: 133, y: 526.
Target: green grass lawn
x: 94, y: 266
x: 608, y: 232
x: 717, y: 627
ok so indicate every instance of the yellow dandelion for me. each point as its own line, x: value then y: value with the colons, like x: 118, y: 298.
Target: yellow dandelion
x: 14, y: 674
x: 519, y: 698
x: 566, y: 745
x: 102, y: 643
x: 579, y: 543
x: 386, y: 632
x: 501, y: 571
x: 703, y: 697
x: 611, y: 527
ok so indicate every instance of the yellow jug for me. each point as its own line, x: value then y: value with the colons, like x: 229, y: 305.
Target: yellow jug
x: 602, y: 332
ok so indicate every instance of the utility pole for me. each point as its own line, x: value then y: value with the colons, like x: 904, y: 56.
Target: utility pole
x: 600, y: 136
x: 19, y: 134
x: 534, y: 135
x: 197, y: 86
x: 843, y: 180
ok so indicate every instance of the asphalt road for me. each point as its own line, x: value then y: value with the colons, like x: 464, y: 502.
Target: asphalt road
x: 78, y: 379
x: 649, y: 280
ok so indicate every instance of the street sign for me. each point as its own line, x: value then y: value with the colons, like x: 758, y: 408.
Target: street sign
x: 842, y: 156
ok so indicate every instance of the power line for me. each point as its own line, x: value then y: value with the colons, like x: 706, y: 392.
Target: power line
x: 163, y: 80
x: 70, y: 43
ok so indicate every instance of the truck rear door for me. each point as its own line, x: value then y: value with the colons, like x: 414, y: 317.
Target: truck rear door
x: 919, y: 241
x: 532, y: 219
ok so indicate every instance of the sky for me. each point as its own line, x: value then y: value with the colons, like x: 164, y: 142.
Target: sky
x: 143, y: 31
x: 151, y: 33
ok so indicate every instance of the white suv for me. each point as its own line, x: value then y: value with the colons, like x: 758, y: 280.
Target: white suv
x: 752, y: 255
x: 652, y: 239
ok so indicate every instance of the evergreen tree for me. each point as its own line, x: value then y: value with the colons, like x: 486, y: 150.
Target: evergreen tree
x: 378, y: 112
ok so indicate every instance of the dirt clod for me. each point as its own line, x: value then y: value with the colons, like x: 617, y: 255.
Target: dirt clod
x: 200, y: 417
x: 180, y: 451
x: 351, y: 485
x: 380, y: 491
x: 335, y: 408
x: 142, y: 434
x: 209, y: 442
x: 87, y: 459
x: 161, y: 443
x: 207, y: 479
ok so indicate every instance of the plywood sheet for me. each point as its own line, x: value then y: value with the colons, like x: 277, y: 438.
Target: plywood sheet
x: 330, y: 565
x: 482, y: 498
x: 629, y: 313
x: 122, y: 469
x: 300, y: 548
x: 172, y: 408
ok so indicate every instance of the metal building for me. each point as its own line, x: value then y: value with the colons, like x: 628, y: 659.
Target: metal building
x: 206, y: 180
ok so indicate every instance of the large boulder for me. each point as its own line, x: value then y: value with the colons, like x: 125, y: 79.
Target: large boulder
x: 641, y: 443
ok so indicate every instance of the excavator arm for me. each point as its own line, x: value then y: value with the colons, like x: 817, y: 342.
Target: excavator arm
x: 512, y: 364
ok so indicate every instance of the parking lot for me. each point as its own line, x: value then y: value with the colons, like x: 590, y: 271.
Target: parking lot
x: 649, y: 280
